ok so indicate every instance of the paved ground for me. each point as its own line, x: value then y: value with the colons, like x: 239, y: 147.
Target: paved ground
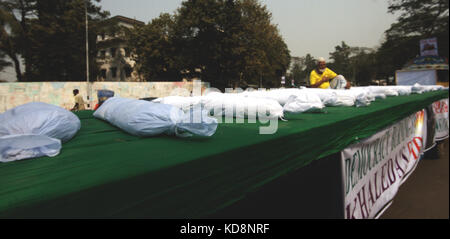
x: 425, y: 195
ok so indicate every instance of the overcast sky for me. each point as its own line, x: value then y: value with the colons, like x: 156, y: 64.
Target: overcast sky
x: 307, y: 26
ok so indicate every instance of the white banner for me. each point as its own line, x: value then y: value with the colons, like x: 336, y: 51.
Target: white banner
x: 440, y: 110
x: 374, y: 168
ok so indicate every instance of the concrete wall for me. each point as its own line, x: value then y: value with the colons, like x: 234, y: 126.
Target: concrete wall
x: 60, y: 93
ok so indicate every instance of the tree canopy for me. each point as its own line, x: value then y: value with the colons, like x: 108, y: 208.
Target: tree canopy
x: 225, y: 42
x: 50, y: 36
x: 419, y: 19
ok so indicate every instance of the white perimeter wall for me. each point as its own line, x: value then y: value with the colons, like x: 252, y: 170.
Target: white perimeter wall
x: 60, y: 93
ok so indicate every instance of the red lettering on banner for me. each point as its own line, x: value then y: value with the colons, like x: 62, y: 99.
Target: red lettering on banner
x: 405, y: 158
x: 391, y: 173
x: 371, y: 199
x: 362, y: 203
x: 383, y: 186
x: 376, y: 188
x: 398, y: 168
x: 411, y: 150
x: 437, y: 107
x: 389, y: 170
x: 414, y: 147
x: 351, y: 215
x: 440, y: 107
x: 416, y: 141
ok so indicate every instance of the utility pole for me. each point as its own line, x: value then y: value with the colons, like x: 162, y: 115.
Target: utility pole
x: 87, y: 55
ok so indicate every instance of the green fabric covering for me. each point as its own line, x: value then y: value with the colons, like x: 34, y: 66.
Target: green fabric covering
x: 104, y: 172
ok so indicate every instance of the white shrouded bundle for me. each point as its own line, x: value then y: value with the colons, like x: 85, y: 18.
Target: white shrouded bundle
x: 292, y: 100
x: 143, y: 118
x: 182, y: 102
x: 34, y: 130
x: 401, y: 89
x: 397, y: 90
x: 304, y: 103
x: 417, y: 88
x: 364, y: 96
x: 331, y: 97
x: 235, y: 105
x: 387, y: 91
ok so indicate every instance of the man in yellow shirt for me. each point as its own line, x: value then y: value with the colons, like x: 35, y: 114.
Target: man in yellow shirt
x: 322, y: 76
x: 79, y: 102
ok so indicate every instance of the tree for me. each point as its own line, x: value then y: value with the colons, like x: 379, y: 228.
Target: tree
x: 3, y: 62
x: 23, y: 11
x: 310, y: 65
x: 296, y: 73
x: 419, y: 19
x: 10, y: 36
x: 341, y: 60
x: 153, y: 48
x: 423, y: 18
x: 363, y: 65
x: 265, y: 54
x: 52, y: 37
x: 57, y: 40
x: 226, y: 42
x: 302, y: 68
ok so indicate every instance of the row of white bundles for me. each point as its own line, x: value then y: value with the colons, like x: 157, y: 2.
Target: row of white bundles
x: 35, y: 129
x: 263, y: 104
x: 362, y: 96
x: 292, y: 100
x: 227, y: 104
x: 383, y: 91
x: 417, y: 88
x: 331, y: 97
x: 143, y: 118
x: 278, y: 101
x: 235, y: 105
x: 182, y: 102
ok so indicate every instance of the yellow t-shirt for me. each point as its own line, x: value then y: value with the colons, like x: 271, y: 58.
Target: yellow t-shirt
x: 314, y: 77
x: 80, y: 101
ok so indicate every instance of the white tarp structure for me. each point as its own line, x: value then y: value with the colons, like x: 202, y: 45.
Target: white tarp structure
x: 422, y: 70
x: 411, y: 77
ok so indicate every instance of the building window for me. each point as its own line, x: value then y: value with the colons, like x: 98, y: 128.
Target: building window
x: 103, y: 73
x: 113, y: 52
x: 127, y: 52
x: 113, y: 72
x: 128, y: 71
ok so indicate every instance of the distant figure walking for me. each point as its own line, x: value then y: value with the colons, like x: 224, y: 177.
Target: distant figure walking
x: 79, y: 102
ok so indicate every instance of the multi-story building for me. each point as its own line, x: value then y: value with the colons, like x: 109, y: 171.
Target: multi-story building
x: 114, y: 55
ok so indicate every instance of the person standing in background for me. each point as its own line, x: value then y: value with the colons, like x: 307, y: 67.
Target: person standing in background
x: 79, y: 102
